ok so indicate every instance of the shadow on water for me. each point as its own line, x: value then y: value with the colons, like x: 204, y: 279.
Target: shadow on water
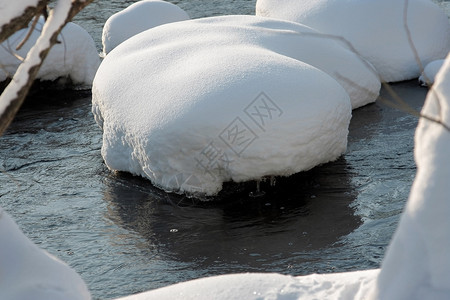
x: 307, y: 211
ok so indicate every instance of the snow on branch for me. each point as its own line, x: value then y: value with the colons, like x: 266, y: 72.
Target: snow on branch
x: 15, y: 93
x: 16, y: 16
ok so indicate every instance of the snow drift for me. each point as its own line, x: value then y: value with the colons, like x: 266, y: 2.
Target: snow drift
x: 377, y: 29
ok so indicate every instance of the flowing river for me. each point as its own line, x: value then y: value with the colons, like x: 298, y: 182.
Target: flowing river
x: 124, y: 236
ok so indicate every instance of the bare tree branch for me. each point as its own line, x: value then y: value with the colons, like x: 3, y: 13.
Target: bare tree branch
x: 30, y: 31
x: 409, y: 36
x: 21, y: 21
x: 21, y: 89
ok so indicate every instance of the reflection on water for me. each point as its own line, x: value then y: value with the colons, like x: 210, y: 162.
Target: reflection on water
x: 302, y: 213
x: 294, y: 229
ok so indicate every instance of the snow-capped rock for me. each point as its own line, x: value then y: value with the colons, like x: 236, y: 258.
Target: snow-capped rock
x: 136, y: 18
x: 27, y: 272
x: 74, y: 58
x: 190, y: 105
x: 430, y: 71
x: 375, y: 28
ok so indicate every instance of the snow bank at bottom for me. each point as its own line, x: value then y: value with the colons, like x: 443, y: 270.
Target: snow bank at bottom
x: 27, y: 272
x: 354, y: 286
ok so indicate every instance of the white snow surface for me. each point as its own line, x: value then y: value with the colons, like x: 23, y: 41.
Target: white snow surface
x: 136, y: 18
x: 28, y: 272
x: 190, y: 105
x: 375, y: 28
x: 355, y: 74
x: 75, y: 57
x: 251, y: 286
x: 430, y: 71
x: 417, y: 262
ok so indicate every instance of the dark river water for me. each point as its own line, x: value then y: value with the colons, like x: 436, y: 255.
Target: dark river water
x: 124, y: 236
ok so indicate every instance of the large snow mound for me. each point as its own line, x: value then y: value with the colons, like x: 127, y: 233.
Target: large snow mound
x: 136, y: 18
x: 342, y: 286
x: 28, y: 272
x: 74, y: 58
x: 189, y: 106
x: 417, y: 263
x: 375, y: 28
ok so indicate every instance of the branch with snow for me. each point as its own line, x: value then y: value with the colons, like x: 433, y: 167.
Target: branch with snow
x: 15, y: 93
x: 17, y: 16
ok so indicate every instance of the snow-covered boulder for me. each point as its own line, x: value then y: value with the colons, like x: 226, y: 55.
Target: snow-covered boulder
x: 417, y: 263
x: 190, y: 105
x: 28, y: 272
x: 75, y: 58
x: 430, y: 71
x: 375, y: 28
x: 136, y: 18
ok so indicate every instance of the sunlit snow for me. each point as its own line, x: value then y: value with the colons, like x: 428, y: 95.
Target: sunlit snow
x: 190, y: 105
x: 377, y: 29
x: 136, y: 18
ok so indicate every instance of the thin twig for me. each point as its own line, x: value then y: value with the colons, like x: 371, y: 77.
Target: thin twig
x: 21, y: 91
x: 21, y: 21
x: 30, y: 32
x: 409, y: 36
x: 440, y: 119
x: 398, y: 102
